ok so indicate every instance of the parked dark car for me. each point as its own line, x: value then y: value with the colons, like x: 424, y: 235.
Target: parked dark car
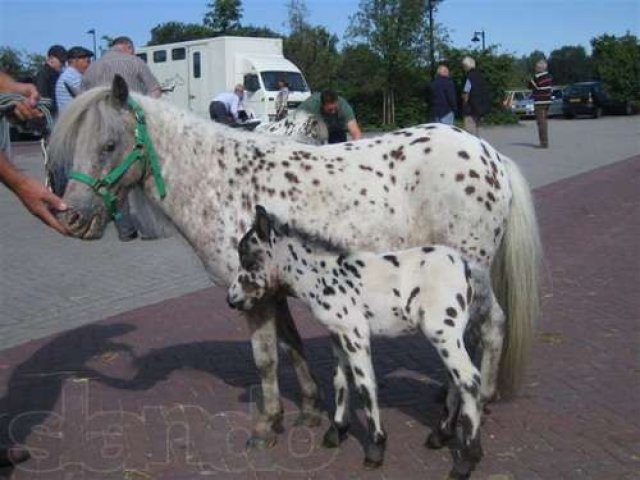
x: 590, y: 98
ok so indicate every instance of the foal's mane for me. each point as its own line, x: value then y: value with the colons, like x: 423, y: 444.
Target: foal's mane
x: 312, y: 240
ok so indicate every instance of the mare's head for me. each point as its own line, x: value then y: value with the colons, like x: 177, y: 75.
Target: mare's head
x: 91, y: 138
x: 258, y: 272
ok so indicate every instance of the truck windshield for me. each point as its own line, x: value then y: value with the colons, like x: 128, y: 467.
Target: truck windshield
x: 295, y: 80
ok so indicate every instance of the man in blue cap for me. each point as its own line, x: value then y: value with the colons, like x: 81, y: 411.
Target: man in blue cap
x: 68, y: 84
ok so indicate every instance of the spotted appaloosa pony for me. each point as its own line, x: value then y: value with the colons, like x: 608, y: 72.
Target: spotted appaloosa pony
x: 301, y: 126
x: 432, y: 184
x: 359, y: 294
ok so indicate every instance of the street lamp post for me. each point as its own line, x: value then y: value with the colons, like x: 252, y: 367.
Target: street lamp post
x: 476, y: 39
x: 431, y: 4
x: 92, y: 32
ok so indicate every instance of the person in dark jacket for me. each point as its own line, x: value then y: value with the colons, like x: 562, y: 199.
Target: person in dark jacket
x: 47, y: 76
x: 541, y: 84
x: 443, y: 97
x: 476, y: 100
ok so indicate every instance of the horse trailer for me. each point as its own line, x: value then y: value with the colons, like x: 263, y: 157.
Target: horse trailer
x: 192, y: 73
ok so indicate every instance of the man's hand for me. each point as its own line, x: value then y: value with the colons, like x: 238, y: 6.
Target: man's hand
x: 26, y: 109
x: 39, y: 201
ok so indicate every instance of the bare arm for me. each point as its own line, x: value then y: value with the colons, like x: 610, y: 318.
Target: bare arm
x: 354, y: 129
x: 35, y: 197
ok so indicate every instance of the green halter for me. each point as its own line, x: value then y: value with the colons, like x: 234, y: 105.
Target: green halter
x: 143, y: 151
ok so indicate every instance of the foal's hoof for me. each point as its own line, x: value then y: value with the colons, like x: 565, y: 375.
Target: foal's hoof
x: 261, y: 442
x: 436, y: 440
x: 308, y: 419
x: 374, y: 454
x: 453, y: 475
x: 334, y: 436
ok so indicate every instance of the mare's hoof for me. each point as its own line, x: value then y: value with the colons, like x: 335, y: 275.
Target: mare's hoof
x: 436, y: 440
x: 308, y: 419
x: 334, y: 436
x: 372, y: 464
x: 453, y: 475
x: 261, y: 442
x: 374, y: 454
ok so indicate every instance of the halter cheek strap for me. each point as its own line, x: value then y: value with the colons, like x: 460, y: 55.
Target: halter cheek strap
x: 143, y: 151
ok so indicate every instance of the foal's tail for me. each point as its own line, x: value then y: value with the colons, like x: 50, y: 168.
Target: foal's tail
x: 515, y: 275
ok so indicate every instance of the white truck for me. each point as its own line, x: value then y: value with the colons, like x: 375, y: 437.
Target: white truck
x: 193, y: 72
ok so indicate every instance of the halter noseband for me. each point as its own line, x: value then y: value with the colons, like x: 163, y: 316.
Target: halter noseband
x: 142, y: 151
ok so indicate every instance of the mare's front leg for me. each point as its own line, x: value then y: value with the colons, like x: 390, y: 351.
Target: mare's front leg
x: 262, y: 322
x: 290, y: 340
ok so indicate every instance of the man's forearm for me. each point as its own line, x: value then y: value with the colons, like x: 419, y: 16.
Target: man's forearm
x: 9, y: 174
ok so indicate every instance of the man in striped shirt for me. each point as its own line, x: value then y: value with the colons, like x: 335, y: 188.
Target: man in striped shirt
x: 541, y: 84
x: 68, y: 83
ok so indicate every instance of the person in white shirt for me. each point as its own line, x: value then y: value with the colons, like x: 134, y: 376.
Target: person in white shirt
x: 228, y: 107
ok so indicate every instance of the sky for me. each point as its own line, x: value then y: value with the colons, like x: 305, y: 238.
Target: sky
x: 515, y: 26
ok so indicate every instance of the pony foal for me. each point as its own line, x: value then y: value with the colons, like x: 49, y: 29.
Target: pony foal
x: 356, y: 295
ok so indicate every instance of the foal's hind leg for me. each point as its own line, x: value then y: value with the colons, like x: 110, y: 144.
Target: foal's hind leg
x: 290, y: 340
x: 446, y: 334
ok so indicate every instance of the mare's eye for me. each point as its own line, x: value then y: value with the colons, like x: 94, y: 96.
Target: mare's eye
x: 109, y: 147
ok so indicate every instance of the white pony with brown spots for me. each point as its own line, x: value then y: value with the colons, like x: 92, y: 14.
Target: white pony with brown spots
x: 431, y: 184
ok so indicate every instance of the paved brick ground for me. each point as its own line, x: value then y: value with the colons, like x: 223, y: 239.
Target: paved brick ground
x: 167, y: 391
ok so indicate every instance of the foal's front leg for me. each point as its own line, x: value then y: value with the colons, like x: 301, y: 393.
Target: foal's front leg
x: 339, y: 427
x: 262, y: 322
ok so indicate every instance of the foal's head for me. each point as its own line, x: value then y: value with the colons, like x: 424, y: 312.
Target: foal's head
x: 257, y: 275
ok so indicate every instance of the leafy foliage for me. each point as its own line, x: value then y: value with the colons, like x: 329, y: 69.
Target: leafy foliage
x: 223, y: 16
x: 616, y: 62
x: 18, y: 64
x: 312, y: 48
x: 570, y: 64
x: 394, y: 31
x: 172, y: 32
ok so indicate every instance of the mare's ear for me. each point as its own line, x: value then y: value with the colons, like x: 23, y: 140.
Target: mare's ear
x: 262, y: 223
x: 119, y: 91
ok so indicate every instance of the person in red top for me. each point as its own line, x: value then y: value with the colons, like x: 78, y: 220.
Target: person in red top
x: 541, y: 84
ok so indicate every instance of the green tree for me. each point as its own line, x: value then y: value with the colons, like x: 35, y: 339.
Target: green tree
x: 11, y: 61
x: 616, y: 61
x: 395, y: 31
x: 171, y: 32
x: 570, y: 64
x: 312, y: 48
x: 223, y: 15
